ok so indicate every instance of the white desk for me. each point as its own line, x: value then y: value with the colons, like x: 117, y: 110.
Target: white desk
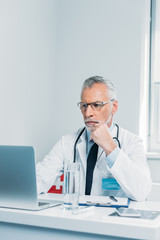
x: 53, y: 223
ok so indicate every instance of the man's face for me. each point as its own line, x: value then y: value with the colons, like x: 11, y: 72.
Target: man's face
x: 98, y: 93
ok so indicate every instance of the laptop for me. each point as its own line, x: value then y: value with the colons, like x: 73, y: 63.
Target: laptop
x: 18, y: 187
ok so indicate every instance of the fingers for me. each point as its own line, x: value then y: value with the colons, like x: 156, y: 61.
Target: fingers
x: 99, y: 131
x: 93, y: 129
x: 100, y: 134
x: 96, y: 131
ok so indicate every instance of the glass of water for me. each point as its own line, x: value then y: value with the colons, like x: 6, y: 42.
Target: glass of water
x: 71, y: 186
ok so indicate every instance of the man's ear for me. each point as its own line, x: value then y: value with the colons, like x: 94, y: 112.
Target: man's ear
x: 115, y: 106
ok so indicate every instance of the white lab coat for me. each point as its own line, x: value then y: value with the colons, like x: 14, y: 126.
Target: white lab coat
x: 130, y: 168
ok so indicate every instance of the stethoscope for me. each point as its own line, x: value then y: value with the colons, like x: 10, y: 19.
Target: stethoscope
x: 79, y: 135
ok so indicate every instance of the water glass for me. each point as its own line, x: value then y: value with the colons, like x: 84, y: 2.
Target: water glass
x: 71, y: 186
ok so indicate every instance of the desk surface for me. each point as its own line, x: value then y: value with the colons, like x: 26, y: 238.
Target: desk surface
x: 94, y: 222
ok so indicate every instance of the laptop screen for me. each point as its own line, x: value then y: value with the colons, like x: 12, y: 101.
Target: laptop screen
x: 17, y: 177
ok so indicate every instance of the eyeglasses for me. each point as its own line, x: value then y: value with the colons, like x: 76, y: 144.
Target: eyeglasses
x: 94, y: 105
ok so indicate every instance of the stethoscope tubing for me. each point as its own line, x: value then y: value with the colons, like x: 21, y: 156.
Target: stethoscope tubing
x: 117, y: 137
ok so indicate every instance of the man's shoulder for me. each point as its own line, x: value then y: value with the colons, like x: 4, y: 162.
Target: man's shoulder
x: 129, y: 135
x: 72, y: 136
x: 124, y: 130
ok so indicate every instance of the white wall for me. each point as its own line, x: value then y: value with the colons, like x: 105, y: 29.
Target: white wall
x: 100, y: 38
x: 27, y: 56
x: 48, y: 48
x: 154, y: 165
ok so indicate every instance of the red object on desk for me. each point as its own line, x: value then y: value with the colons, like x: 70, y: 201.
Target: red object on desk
x: 58, y: 187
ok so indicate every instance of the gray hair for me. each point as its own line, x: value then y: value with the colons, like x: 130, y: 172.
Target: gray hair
x: 98, y: 79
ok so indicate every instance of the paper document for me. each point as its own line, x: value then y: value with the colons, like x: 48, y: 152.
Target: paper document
x: 91, y: 200
x: 103, y: 201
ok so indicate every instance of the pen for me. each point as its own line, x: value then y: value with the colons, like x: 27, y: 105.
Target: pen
x: 113, y: 198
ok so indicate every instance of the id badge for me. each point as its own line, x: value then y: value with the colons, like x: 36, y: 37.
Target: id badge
x: 110, y: 184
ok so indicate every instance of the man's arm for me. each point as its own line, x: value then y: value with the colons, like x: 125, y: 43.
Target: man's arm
x: 48, y: 170
x: 132, y: 172
x: 127, y: 165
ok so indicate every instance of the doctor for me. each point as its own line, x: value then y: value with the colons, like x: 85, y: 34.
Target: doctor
x: 120, y: 168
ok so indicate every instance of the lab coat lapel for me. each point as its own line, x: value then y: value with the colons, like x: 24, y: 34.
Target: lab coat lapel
x: 81, y: 149
x: 101, y: 153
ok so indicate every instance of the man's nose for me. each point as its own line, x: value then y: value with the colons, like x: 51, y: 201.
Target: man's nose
x: 89, y: 111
